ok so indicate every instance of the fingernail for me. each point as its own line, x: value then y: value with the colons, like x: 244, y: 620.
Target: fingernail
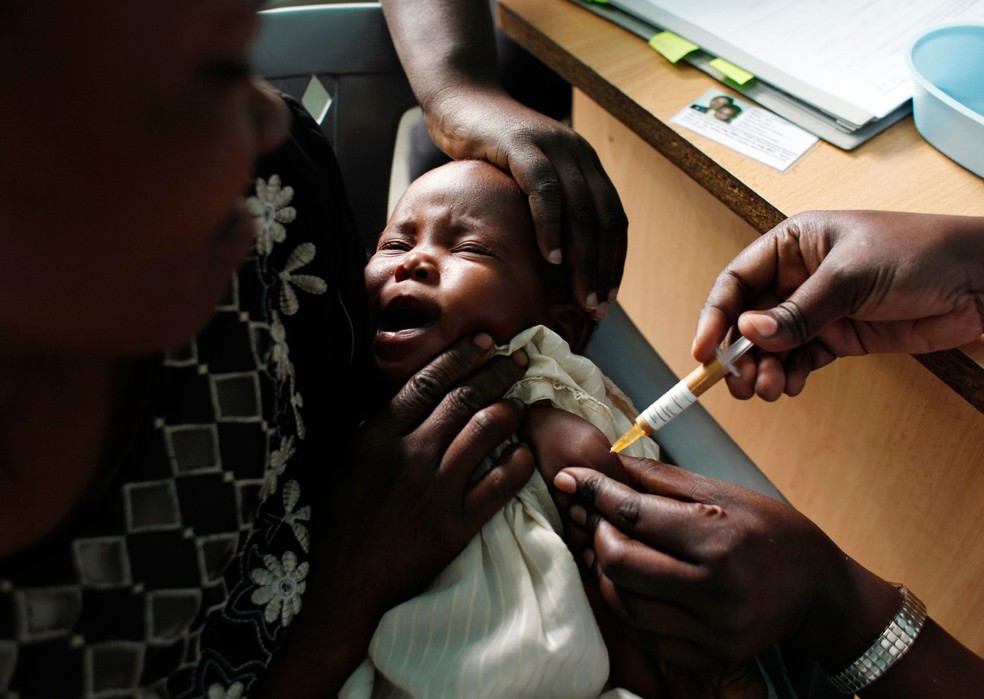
x: 483, y: 340
x: 565, y: 483
x: 765, y: 326
x: 589, y: 557
x: 591, y: 302
x: 520, y: 357
x: 613, y: 295
x: 555, y: 257
x: 579, y: 515
x: 600, y: 312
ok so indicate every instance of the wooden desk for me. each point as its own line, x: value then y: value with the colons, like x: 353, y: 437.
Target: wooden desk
x: 885, y: 453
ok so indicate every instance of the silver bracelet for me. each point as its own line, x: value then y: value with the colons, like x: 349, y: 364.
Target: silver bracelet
x: 888, y: 648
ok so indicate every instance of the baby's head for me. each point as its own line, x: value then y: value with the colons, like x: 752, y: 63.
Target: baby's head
x: 459, y: 256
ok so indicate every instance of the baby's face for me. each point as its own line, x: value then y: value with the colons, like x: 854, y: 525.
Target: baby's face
x: 457, y: 257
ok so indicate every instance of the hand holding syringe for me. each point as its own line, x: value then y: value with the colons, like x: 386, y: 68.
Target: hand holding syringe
x: 684, y: 394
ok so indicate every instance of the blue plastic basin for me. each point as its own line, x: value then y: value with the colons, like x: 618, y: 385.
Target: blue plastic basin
x: 947, y: 66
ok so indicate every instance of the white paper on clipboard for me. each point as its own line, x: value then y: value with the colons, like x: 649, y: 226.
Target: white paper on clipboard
x: 844, y: 57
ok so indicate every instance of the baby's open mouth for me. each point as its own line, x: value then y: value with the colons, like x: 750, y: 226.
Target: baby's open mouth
x: 405, y: 313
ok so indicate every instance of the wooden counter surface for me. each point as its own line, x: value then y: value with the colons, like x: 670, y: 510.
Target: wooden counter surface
x: 896, y: 170
x: 885, y: 456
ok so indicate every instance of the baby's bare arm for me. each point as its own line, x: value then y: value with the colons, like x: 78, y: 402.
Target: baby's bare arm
x: 560, y: 439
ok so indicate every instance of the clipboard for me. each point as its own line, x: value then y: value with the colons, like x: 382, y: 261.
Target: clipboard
x: 832, y: 129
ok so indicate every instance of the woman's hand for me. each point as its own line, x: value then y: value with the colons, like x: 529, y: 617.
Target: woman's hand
x: 399, y: 503
x: 577, y: 213
x: 844, y: 283
x: 710, y: 574
x: 448, y: 50
x: 409, y: 504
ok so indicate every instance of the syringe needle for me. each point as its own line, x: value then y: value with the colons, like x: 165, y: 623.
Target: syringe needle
x: 684, y: 393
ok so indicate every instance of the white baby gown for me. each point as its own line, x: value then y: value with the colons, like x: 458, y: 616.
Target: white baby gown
x: 509, y: 617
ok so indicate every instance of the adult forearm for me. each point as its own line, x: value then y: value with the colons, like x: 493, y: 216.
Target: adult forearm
x: 444, y: 45
x: 755, y: 573
x: 327, y: 641
x: 936, y: 664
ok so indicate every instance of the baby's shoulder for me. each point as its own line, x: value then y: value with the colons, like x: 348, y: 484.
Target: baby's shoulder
x: 560, y: 439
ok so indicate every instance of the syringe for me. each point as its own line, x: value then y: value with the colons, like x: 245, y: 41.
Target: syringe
x: 684, y: 394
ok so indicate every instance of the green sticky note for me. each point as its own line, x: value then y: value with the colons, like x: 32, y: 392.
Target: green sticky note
x: 730, y: 70
x: 599, y: 2
x: 671, y: 46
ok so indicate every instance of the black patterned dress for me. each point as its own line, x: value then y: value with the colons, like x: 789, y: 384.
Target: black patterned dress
x: 181, y: 577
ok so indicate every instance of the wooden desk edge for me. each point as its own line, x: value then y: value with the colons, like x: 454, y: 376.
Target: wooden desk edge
x: 954, y: 367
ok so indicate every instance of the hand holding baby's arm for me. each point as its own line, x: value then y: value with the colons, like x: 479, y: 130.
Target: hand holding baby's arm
x: 404, y: 505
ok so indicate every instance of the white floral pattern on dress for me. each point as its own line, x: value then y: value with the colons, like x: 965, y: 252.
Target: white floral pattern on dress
x: 278, y: 462
x: 280, y: 352
x: 297, y: 402
x: 217, y: 691
x: 269, y: 206
x: 296, y: 520
x: 299, y: 257
x: 280, y: 586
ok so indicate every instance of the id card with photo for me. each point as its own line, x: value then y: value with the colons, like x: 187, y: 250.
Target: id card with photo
x: 746, y: 128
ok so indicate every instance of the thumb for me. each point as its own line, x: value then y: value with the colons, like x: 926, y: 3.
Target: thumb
x: 819, y: 301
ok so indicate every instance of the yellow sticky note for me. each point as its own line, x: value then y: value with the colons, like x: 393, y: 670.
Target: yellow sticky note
x: 730, y: 70
x: 671, y: 46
